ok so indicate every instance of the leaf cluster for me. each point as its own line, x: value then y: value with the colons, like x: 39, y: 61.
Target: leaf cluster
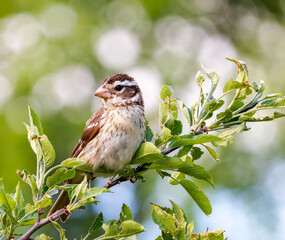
x: 173, y: 224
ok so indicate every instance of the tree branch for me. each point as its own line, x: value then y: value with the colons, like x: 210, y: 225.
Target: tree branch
x: 140, y: 168
x: 40, y: 224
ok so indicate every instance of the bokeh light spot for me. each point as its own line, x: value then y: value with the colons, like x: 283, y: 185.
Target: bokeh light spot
x: 58, y: 21
x: 117, y: 48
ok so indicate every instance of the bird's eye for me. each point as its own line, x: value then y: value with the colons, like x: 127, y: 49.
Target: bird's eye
x: 119, y: 87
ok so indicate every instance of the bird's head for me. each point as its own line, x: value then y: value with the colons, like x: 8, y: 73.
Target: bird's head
x: 120, y: 89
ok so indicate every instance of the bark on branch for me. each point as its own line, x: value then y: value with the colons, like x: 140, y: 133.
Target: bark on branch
x: 40, y: 224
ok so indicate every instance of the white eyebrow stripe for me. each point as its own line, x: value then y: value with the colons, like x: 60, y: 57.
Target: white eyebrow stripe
x: 126, y: 83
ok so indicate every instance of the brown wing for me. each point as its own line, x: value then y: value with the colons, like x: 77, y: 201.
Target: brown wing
x: 91, y: 130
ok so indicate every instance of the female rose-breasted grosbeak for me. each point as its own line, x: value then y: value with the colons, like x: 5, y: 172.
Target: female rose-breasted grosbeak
x: 113, y: 134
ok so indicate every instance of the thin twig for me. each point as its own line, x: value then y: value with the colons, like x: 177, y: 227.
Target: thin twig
x: 140, y: 168
x: 39, y: 224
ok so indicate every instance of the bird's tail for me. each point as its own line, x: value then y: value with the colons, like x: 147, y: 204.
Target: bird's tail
x: 61, y: 202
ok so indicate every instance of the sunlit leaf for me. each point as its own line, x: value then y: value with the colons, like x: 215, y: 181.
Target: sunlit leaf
x: 29, y: 179
x: 242, y: 70
x: 125, y: 213
x: 176, y: 175
x: 186, y: 112
x: 227, y: 135
x: 198, y: 196
x: 163, y: 112
x: 196, y: 171
x: 77, y: 163
x: 164, y: 220
x: 35, y: 120
x: 147, y: 152
x: 47, y: 150
x: 43, y: 237
x: 232, y: 85
x: 212, y: 152
x: 166, y: 91
x: 200, y: 78
x: 198, y: 139
x: 7, y: 203
x: 128, y: 228
x: 179, y: 214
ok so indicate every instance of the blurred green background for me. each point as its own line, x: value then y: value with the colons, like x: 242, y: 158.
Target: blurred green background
x: 54, y: 54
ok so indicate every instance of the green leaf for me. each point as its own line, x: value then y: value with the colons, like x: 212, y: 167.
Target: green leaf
x: 149, y: 133
x: 242, y: 70
x: 165, y: 134
x: 179, y: 214
x: 7, y: 203
x: 60, y: 230
x: 276, y: 115
x: 168, y: 163
x: 200, y: 79
x: 165, y: 221
x: 125, y: 213
x: 198, y: 196
x: 77, y: 163
x: 35, y: 121
x: 177, y: 176
x: 225, y: 116
x: 94, y: 192
x: 166, y: 91
x: 147, y: 152
x: 277, y: 103
x: 196, y: 171
x: 163, y: 112
x: 198, y: 139
x: 97, y: 223
x: 196, y: 153
x: 214, y: 105
x: 184, y: 151
x: 226, y: 135
x: 175, y: 126
x: 48, y: 150
x: 77, y: 193
x: 42, y: 203
x: 19, y: 199
x: 212, y: 152
x: 232, y: 85
x: 60, y: 175
x: 130, y: 228
x: 237, y: 105
x: 43, y: 237
x: 186, y: 112
x: 190, y: 227
x: 29, y: 179
x: 33, y: 135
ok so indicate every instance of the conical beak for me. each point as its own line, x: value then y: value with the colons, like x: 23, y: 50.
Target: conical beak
x: 102, y: 92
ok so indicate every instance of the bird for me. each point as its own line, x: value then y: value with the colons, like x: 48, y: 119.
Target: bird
x: 113, y: 133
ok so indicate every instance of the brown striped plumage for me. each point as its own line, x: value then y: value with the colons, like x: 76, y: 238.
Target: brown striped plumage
x: 113, y: 133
